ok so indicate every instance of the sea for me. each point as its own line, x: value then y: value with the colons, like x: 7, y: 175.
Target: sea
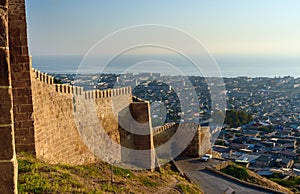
x: 227, y: 65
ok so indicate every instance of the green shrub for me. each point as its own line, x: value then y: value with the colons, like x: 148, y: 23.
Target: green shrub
x: 122, y: 172
x: 293, y: 181
x: 184, y: 188
x: 112, y: 188
x: 237, y: 172
x: 24, y: 166
x: 33, y: 184
x: 148, y: 183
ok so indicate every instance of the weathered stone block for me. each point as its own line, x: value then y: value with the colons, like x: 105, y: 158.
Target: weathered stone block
x: 22, y: 92
x: 26, y: 140
x: 26, y: 108
x: 7, y: 177
x: 5, y: 106
x: 140, y: 111
x: 6, y: 143
x: 28, y: 132
x: 3, y: 27
x: 22, y: 100
x: 3, y: 2
x: 4, y: 73
x: 30, y: 148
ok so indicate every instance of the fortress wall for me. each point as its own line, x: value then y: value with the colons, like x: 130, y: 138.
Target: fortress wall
x: 20, y: 76
x: 108, y: 108
x: 8, y: 162
x: 57, y: 138
x: 161, y: 129
x: 199, y: 145
x: 162, y: 137
x: 136, y: 134
x: 164, y: 133
x: 205, y: 146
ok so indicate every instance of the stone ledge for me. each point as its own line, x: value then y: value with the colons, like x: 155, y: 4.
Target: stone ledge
x: 242, y: 182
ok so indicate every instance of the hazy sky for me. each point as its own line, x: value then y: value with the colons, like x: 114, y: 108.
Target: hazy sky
x: 252, y: 27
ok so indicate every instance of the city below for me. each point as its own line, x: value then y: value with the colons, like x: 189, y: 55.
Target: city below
x: 262, y: 125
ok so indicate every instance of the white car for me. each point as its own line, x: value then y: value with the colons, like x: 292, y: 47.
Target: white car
x: 206, y: 157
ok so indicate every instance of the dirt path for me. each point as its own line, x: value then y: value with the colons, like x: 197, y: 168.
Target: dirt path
x: 171, y: 188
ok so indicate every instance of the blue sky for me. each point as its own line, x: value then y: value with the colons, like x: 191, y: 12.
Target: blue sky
x: 233, y: 27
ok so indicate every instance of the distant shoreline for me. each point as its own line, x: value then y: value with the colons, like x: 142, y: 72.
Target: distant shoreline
x: 230, y: 66
x: 236, y: 77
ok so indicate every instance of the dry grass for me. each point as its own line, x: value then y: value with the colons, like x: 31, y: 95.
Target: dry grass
x: 38, y: 177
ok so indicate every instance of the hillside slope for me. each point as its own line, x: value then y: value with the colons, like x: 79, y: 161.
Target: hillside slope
x: 38, y: 177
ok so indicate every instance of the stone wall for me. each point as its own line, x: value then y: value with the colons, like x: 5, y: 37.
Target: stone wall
x: 161, y: 136
x: 137, y: 136
x: 199, y: 145
x: 57, y: 137
x: 20, y: 67
x: 108, y: 109
x: 222, y: 165
x: 62, y: 113
x: 8, y: 163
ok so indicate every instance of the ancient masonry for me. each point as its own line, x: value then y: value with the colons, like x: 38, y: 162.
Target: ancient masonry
x: 8, y: 166
x: 49, y: 120
x: 56, y: 137
x: 57, y: 132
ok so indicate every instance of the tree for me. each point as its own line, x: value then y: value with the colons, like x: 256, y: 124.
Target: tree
x: 236, y: 118
x: 57, y: 81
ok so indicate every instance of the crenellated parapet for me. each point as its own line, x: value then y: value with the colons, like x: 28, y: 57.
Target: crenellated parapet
x: 77, y: 90
x: 109, y: 93
x: 161, y: 129
x: 43, y: 77
x: 137, y: 99
x: 68, y: 89
x: 61, y: 88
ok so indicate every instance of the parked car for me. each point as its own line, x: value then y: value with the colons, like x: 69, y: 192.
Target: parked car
x: 206, y: 157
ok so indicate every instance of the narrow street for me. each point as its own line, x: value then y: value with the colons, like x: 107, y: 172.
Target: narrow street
x: 209, y: 182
